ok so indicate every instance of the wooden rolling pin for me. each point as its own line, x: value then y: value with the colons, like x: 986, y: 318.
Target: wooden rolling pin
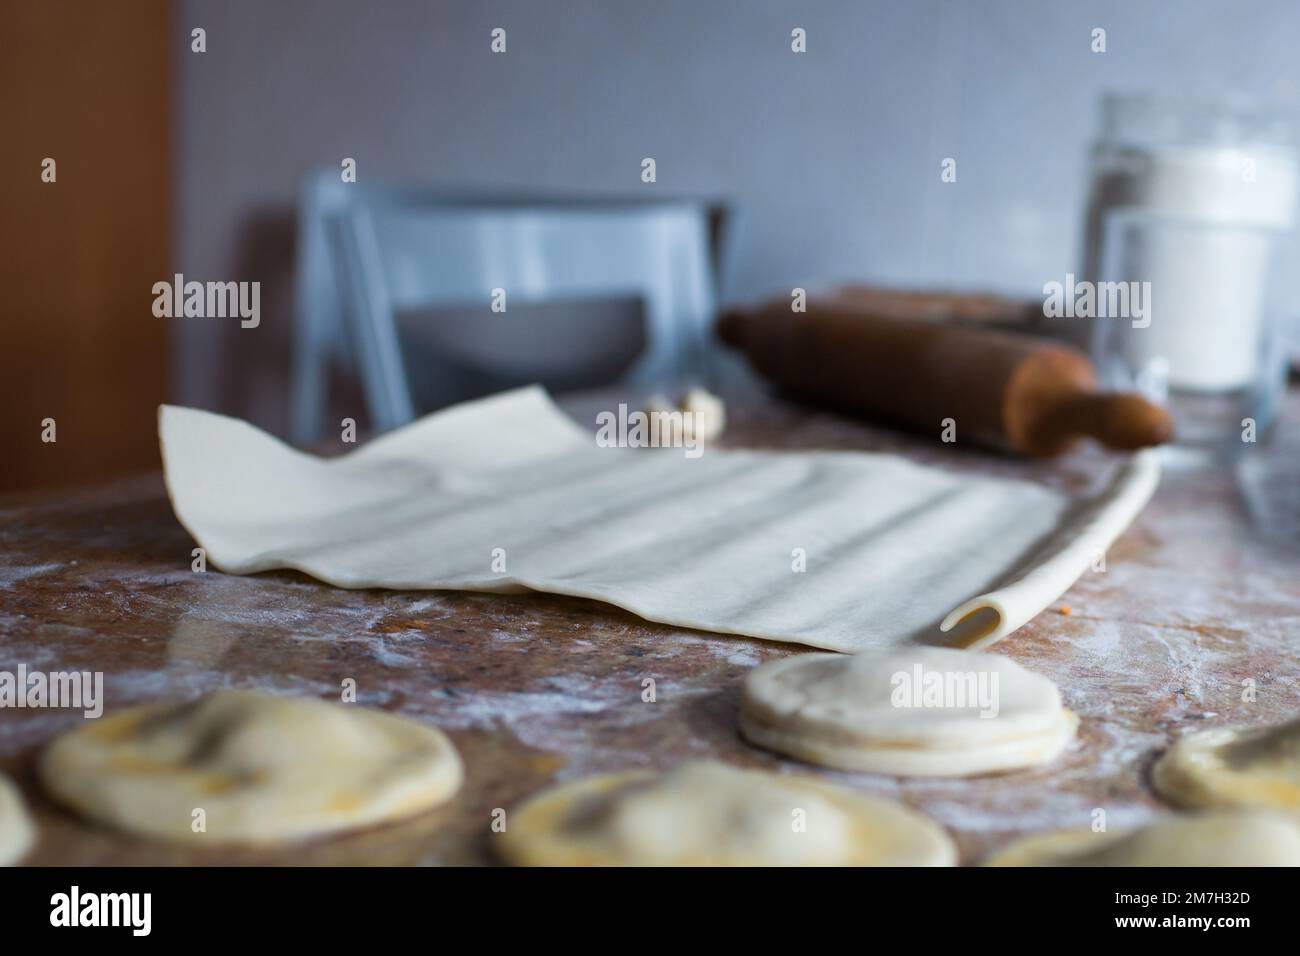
x: 1002, y: 390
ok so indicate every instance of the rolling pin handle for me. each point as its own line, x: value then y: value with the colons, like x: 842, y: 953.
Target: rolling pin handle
x: 1122, y: 421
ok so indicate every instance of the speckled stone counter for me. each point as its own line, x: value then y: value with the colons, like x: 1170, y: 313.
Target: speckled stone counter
x: 1195, y: 600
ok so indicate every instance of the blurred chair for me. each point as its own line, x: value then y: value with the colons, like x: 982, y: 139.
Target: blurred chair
x: 370, y: 257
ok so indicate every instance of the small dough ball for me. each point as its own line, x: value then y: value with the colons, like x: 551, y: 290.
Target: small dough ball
x: 704, y: 420
x: 263, y: 769
x: 1234, y: 767
x: 926, y: 711
x: 1207, y: 839
x: 712, y: 814
x: 17, y: 832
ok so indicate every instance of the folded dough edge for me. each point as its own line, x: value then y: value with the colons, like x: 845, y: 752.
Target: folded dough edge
x: 1062, y: 560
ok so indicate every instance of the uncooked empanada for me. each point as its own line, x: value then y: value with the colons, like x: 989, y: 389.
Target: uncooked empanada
x: 1207, y: 839
x: 17, y: 832
x: 712, y: 814
x: 914, y: 712
x: 1243, y: 766
x: 261, y: 769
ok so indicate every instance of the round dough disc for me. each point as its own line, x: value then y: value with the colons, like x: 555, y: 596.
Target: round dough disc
x: 263, y: 769
x: 17, y: 832
x: 926, y: 711
x: 1234, y: 767
x: 711, y: 814
x: 1207, y: 839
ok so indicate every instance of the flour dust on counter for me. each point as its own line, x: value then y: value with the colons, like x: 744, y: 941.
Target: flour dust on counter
x: 706, y: 813
x: 240, y: 767
x: 837, y: 550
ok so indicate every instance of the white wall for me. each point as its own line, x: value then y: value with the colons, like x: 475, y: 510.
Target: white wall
x: 834, y: 155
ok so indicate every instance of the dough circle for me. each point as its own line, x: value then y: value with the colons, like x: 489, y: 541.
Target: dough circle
x: 264, y: 769
x: 17, y: 832
x: 1226, y: 767
x: 869, y: 712
x: 711, y: 814
x: 1205, y: 839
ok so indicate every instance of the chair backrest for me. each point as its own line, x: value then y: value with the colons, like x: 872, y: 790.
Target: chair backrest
x: 399, y: 256
x: 318, y: 300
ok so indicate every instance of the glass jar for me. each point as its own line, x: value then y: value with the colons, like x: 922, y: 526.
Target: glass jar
x: 1190, y: 201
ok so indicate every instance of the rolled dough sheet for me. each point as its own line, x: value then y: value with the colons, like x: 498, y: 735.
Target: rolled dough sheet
x: 508, y: 494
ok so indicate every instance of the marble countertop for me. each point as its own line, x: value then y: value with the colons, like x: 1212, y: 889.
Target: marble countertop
x: 1199, y: 600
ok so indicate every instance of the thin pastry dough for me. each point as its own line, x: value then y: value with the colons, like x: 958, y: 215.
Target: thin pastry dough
x: 836, y: 550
